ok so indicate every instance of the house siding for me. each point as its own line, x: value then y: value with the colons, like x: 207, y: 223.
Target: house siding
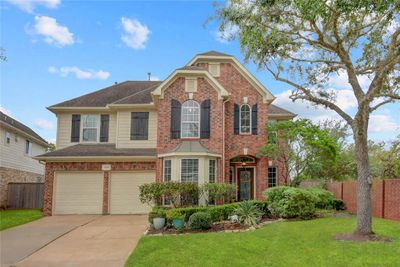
x: 124, y: 131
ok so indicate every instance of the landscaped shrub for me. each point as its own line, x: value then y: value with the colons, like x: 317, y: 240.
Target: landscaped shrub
x: 338, y: 204
x: 157, y: 212
x: 323, y: 197
x: 214, y: 192
x: 200, y: 221
x: 248, y: 213
x: 187, y: 212
x: 222, y: 212
x: 174, y: 214
x: 290, y: 202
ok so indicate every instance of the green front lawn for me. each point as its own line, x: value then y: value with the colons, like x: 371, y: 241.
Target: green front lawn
x: 296, y: 243
x: 11, y: 218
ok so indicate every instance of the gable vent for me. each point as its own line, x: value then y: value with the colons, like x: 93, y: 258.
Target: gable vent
x: 214, y: 69
x: 191, y: 85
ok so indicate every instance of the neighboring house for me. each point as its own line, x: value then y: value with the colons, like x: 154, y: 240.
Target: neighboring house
x: 18, y: 145
x: 204, y: 123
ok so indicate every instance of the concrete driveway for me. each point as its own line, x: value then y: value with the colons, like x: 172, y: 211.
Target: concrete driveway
x: 81, y: 241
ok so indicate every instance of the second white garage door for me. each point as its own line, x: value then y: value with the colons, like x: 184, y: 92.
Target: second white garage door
x: 124, y: 192
x: 78, y: 193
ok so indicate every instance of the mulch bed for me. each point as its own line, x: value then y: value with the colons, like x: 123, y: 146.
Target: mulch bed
x: 221, y: 226
x: 363, y: 238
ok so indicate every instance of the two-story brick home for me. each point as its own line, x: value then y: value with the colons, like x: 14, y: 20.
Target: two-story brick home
x: 204, y: 123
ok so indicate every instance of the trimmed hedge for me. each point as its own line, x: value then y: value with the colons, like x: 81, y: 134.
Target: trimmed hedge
x: 200, y: 221
x: 219, y: 212
x: 324, y: 198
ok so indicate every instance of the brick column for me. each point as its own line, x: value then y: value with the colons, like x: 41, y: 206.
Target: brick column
x: 105, y: 192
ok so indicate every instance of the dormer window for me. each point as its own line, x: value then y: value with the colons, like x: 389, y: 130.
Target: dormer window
x: 190, y: 124
x: 245, y: 119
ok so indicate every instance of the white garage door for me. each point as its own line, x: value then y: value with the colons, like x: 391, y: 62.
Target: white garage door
x: 124, y: 192
x: 78, y: 193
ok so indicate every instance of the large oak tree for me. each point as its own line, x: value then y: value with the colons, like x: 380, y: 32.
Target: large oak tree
x: 304, y: 42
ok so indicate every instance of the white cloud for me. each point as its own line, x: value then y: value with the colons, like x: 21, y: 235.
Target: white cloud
x: 53, y: 32
x: 29, y: 5
x: 340, y: 80
x: 80, y: 74
x: 380, y: 123
x: 44, y: 124
x: 135, y: 34
x: 344, y: 99
x: 5, y: 111
x: 225, y: 36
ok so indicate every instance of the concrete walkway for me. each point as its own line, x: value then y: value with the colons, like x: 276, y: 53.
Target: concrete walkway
x: 103, y: 241
x: 19, y: 242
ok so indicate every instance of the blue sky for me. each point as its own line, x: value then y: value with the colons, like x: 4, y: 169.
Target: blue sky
x: 58, y: 50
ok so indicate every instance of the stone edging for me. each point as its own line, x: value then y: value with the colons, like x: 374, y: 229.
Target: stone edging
x: 251, y: 228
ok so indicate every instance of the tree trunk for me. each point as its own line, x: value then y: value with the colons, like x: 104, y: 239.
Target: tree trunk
x: 364, y: 179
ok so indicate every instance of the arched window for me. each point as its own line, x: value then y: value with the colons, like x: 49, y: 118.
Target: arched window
x: 245, y: 119
x: 190, y: 122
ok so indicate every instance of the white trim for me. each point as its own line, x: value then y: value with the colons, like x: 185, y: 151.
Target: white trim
x: 23, y: 134
x: 198, y: 168
x: 170, y: 160
x: 94, y: 158
x: 240, y: 118
x: 198, y: 129
x: 173, y: 154
x: 98, y: 116
x: 267, y: 95
x: 159, y: 91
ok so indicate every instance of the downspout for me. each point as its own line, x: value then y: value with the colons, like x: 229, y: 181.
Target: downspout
x: 223, y: 139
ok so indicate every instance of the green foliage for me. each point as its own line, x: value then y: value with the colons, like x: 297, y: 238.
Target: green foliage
x: 324, y: 198
x: 290, y: 202
x: 200, y: 221
x: 338, y: 204
x: 308, y: 150
x: 15, y: 217
x: 174, y: 214
x: 185, y: 194
x: 222, y: 212
x: 248, y: 213
x: 187, y: 212
x: 214, y: 192
x: 157, y: 212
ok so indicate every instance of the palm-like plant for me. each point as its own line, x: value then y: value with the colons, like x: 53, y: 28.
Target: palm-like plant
x: 248, y: 213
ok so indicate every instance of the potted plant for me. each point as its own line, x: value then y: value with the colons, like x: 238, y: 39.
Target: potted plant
x: 158, y: 218
x: 176, y: 218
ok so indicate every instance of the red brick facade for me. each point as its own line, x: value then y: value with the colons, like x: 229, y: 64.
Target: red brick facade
x: 238, y: 87
x: 52, y: 167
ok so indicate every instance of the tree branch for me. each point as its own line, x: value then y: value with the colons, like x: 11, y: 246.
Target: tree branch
x: 310, y: 97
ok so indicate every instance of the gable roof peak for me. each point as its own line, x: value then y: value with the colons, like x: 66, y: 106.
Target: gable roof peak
x: 214, y: 53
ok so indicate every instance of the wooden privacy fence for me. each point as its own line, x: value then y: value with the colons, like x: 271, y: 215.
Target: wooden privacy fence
x: 385, y: 197
x: 25, y: 195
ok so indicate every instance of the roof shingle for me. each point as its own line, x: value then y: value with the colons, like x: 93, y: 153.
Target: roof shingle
x: 112, y: 94
x: 20, y: 126
x: 99, y: 150
x: 275, y: 110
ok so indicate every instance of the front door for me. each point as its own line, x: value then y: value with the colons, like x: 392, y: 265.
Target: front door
x: 245, y: 182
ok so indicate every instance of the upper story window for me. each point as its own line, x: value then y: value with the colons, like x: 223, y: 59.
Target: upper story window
x: 139, y: 126
x: 28, y: 147
x: 8, y: 138
x: 89, y: 128
x: 190, y: 124
x: 245, y: 119
x: 189, y: 170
